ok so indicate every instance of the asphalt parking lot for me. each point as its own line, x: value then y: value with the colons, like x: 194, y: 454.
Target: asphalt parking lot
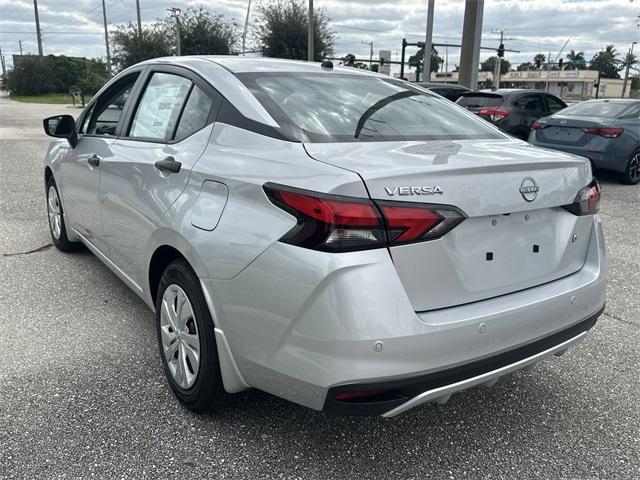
x: 82, y: 394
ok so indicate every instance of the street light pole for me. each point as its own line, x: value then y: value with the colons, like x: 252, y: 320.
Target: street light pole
x: 626, y: 72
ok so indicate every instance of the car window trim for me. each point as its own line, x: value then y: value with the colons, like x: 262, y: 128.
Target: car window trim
x: 190, y: 75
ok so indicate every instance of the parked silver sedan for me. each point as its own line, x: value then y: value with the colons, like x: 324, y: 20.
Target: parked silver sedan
x: 338, y: 238
x: 607, y: 132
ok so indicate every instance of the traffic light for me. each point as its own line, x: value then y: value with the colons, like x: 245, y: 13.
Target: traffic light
x: 381, y: 61
x: 560, y: 62
x: 501, y: 50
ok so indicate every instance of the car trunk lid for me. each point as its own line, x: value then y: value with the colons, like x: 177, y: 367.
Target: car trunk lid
x: 569, y: 130
x: 507, y: 243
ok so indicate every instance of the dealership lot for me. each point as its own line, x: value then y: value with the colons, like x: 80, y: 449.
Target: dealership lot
x: 82, y: 392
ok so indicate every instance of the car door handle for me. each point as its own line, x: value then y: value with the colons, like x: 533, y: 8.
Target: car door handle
x: 168, y: 165
x: 94, y: 160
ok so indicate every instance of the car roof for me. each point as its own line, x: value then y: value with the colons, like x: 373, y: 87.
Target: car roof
x: 237, y: 64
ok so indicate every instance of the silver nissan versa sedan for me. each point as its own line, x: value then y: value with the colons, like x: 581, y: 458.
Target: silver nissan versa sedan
x: 337, y: 238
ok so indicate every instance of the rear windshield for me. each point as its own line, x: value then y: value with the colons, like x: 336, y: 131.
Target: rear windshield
x: 597, y: 109
x: 329, y: 107
x: 476, y: 100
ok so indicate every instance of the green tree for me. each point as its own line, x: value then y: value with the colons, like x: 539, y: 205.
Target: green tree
x: 489, y: 65
x: 34, y: 75
x: 525, y: 66
x: 576, y: 61
x: 204, y: 33
x: 282, y: 31
x: 606, y: 61
x: 157, y: 40
x: 417, y: 61
x: 538, y: 60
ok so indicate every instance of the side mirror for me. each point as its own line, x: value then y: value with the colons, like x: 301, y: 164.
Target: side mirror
x: 61, y: 126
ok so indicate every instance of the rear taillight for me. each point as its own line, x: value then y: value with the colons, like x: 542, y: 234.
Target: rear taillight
x: 494, y: 114
x: 537, y: 125
x: 332, y: 223
x: 587, y: 201
x: 606, y: 132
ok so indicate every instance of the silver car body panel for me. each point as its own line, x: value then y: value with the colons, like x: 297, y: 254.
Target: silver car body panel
x: 296, y: 322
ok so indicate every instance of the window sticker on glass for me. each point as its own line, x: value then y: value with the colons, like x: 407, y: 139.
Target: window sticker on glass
x: 160, y: 106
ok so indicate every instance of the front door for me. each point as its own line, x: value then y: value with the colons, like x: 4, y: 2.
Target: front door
x: 82, y: 167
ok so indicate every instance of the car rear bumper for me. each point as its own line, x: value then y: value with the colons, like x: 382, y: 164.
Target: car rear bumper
x: 320, y: 324
x: 402, y: 395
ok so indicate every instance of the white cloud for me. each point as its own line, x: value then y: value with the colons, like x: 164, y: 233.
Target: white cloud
x: 74, y: 27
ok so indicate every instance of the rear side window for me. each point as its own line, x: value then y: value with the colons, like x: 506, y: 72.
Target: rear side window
x: 554, y: 104
x: 195, y: 114
x: 477, y: 100
x: 530, y: 103
x: 160, y: 107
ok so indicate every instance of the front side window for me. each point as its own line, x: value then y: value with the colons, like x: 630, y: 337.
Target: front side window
x: 159, y: 109
x: 109, y: 107
x: 352, y: 108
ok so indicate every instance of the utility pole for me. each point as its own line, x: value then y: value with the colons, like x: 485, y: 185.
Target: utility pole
x: 20, y: 45
x: 446, y: 63
x: 498, y: 71
x: 365, y: 42
x: 139, y: 20
x: 244, y: 30
x: 175, y: 12
x: 311, y: 29
x: 106, y: 36
x: 428, y: 42
x: 626, y: 72
x: 4, y: 68
x: 38, y: 32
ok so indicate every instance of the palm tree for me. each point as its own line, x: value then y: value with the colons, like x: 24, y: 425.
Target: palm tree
x: 576, y: 61
x: 538, y: 60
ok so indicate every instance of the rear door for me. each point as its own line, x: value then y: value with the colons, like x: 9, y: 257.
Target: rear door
x: 167, y: 130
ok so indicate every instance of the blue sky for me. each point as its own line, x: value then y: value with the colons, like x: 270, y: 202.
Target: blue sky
x: 74, y: 27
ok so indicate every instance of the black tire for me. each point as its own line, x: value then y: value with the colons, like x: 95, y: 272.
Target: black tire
x: 207, y: 393
x: 61, y: 241
x: 631, y: 175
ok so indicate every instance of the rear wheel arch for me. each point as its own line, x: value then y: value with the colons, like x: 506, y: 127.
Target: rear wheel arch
x: 161, y: 258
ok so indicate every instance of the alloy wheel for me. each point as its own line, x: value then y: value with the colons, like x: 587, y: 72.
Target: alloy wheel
x: 634, y: 167
x: 180, y: 340
x: 55, y: 212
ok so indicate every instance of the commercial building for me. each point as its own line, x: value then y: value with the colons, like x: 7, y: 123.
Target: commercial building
x: 569, y: 84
